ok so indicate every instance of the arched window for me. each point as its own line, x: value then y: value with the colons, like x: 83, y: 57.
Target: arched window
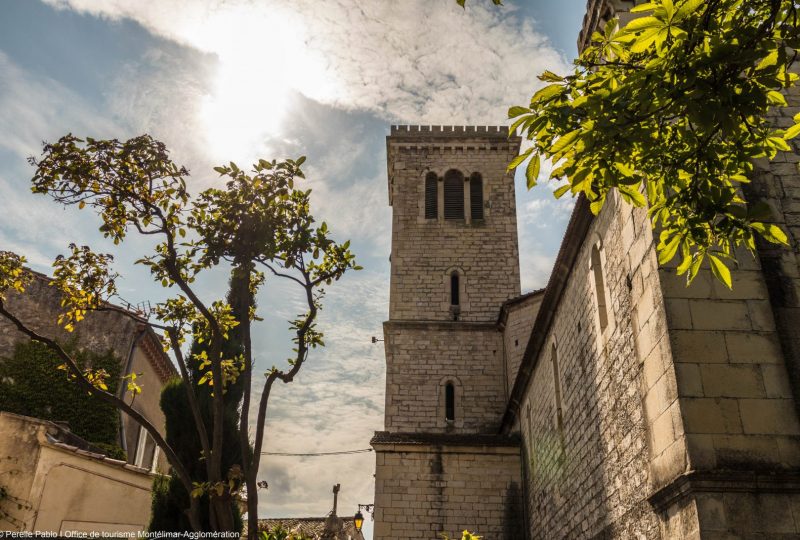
x: 476, y: 196
x: 431, y: 196
x: 455, y: 299
x: 449, y: 402
x: 453, y: 195
x: 599, y: 287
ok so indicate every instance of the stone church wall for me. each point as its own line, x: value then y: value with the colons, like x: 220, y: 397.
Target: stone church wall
x: 424, y: 490
x: 516, y: 320
x: 421, y: 358
x: 679, y: 420
x: 736, y: 356
x: 587, y: 466
x: 426, y: 251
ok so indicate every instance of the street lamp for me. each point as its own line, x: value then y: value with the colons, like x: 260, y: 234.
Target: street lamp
x: 358, y: 520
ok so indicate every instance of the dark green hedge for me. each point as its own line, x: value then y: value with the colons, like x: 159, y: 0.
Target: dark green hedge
x: 32, y: 385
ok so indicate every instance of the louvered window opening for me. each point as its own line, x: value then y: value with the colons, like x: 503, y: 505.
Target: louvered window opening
x: 431, y: 197
x: 453, y: 195
x: 476, y: 196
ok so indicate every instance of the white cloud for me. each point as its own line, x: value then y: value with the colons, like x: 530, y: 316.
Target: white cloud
x: 547, y: 213
x: 414, y: 61
x: 336, y: 403
x: 159, y: 94
x: 33, y: 109
x: 358, y: 210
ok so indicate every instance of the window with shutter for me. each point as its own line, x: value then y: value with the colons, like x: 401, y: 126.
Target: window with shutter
x: 476, y: 196
x: 453, y: 195
x: 431, y: 196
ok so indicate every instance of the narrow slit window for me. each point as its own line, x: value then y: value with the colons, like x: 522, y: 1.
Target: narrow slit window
x: 557, y: 391
x: 453, y: 195
x: 599, y: 287
x: 431, y: 196
x: 450, y: 402
x: 530, y: 433
x: 476, y: 196
x: 455, y: 298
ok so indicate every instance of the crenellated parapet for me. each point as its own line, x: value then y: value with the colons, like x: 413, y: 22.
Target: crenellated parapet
x: 499, y: 132
x: 476, y: 146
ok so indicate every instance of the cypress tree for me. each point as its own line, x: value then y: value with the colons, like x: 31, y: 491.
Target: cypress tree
x: 170, y: 499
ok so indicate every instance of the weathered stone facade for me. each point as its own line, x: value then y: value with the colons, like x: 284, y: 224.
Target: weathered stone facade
x: 55, y: 487
x: 433, y: 484
x: 516, y: 322
x: 449, y: 277
x: 128, y: 336
x: 645, y: 409
x: 426, y: 251
x: 586, y: 439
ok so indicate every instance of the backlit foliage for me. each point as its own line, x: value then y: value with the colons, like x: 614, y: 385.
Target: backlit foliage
x: 256, y: 224
x: 671, y: 111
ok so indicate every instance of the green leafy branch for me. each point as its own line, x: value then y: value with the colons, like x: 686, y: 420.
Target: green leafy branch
x: 258, y: 224
x: 671, y: 111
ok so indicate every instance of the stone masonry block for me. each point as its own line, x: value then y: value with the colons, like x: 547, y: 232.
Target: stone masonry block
x: 776, y: 381
x: 711, y: 415
x: 674, y: 286
x: 736, y: 381
x: 711, y: 512
x: 719, y: 315
x: 769, y: 416
x: 743, y: 451
x: 761, y: 315
x: 753, y: 348
x: 678, y: 313
x: 661, y: 395
x: 698, y: 346
x: 701, y: 451
x: 689, y: 381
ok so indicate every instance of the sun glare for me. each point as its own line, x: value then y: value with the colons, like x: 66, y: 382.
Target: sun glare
x: 262, y: 61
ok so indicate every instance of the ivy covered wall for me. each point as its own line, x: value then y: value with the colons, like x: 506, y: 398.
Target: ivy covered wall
x: 32, y: 385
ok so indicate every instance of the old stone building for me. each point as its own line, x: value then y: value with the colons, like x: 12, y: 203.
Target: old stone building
x: 454, y: 264
x: 616, y: 403
x: 45, y: 470
x: 53, y: 482
x: 126, y: 335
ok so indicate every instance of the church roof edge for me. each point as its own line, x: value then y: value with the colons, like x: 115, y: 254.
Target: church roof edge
x: 574, y: 237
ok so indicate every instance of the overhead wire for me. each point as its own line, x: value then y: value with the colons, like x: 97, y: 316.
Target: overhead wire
x: 317, y: 454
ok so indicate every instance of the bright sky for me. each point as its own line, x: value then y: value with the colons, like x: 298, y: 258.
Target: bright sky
x: 221, y: 80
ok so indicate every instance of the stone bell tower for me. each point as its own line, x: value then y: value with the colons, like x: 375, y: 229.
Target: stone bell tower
x: 453, y: 214
x: 455, y: 261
